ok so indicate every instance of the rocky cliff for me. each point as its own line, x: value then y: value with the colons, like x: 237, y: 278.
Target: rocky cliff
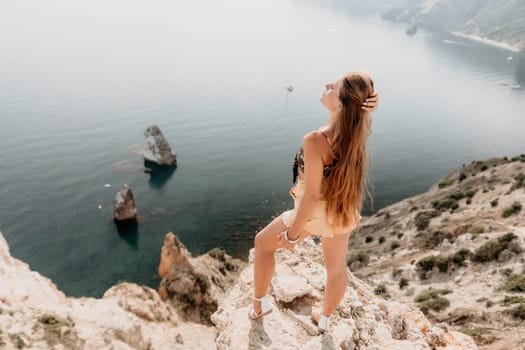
x: 35, y: 314
x: 500, y: 21
x: 456, y: 251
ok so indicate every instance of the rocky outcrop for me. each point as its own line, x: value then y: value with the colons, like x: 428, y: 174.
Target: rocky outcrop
x: 495, y: 21
x: 157, y: 148
x: 455, y: 251
x: 362, y: 320
x: 195, y: 285
x: 34, y: 314
x: 124, y: 205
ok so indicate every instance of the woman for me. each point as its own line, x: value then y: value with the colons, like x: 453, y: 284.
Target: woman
x: 330, y: 171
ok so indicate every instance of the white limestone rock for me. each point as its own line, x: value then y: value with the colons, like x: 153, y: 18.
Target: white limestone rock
x: 34, y: 314
x: 362, y: 320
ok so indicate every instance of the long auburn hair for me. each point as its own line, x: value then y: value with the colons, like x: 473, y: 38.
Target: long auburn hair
x: 343, y: 189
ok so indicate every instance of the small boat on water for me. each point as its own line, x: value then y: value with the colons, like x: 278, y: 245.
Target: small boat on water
x: 289, y: 88
x: 516, y: 87
x: 411, y: 30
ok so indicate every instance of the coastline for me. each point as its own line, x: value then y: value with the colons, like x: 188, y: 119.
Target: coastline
x: 499, y: 44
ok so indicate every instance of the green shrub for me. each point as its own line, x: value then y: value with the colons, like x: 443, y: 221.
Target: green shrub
x: 394, y: 245
x: 507, y: 238
x: 514, y: 299
x: 396, y: 273
x: 488, y: 251
x: 443, y: 263
x: 470, y: 193
x: 494, y: 203
x: 431, y: 293
x: 491, y: 249
x: 431, y: 299
x: 403, y: 282
x: 462, y: 177
x: 484, y: 167
x: 515, y: 283
x: 361, y: 257
x: 422, y: 218
x: 369, y: 239
x: 436, y: 304
x: 426, y: 264
x: 518, y: 312
x: 382, y: 291
x: 489, y: 303
x: 457, y: 196
x: 382, y: 239
x: 446, y: 183
x: 447, y: 203
x: 414, y: 208
x: 431, y: 240
x: 477, y: 229
x: 460, y: 256
x: 513, y: 209
x: 474, y: 332
x: 520, y: 181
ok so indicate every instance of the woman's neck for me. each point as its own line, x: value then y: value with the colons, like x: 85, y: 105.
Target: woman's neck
x: 330, y: 123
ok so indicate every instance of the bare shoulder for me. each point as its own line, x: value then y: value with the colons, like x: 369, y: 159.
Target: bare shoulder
x: 314, y: 138
x: 314, y: 141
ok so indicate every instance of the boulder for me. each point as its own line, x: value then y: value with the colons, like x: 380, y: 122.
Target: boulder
x: 195, y: 285
x: 124, y: 205
x: 157, y: 148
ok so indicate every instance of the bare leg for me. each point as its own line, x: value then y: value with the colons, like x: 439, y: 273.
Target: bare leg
x: 266, y: 242
x: 334, y: 252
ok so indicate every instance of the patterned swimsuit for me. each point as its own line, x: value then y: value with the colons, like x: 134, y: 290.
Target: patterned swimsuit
x: 298, y: 163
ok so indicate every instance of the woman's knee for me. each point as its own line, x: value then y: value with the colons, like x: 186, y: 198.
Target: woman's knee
x: 262, y: 242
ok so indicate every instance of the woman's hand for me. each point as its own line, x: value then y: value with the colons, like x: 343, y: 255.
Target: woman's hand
x: 283, y: 243
x: 371, y: 103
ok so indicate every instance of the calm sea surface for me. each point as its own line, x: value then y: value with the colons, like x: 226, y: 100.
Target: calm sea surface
x: 79, y: 83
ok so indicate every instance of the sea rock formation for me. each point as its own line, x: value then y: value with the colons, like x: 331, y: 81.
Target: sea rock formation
x: 195, y: 285
x: 157, y: 148
x: 124, y: 204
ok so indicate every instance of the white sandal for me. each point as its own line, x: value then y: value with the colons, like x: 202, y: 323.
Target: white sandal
x: 324, y: 322
x: 266, y: 307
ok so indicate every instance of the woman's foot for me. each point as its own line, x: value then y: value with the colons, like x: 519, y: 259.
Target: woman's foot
x: 322, y: 321
x: 260, y: 307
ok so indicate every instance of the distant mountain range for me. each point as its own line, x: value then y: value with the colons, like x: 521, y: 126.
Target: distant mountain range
x: 500, y: 21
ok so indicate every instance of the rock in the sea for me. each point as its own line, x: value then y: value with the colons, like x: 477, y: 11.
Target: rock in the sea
x: 124, y: 204
x: 158, y: 149
x: 195, y: 285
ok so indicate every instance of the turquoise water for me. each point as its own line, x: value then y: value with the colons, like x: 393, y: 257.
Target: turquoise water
x: 81, y: 82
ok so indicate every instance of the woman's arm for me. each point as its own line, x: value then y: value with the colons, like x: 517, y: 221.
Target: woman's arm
x: 313, y: 175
